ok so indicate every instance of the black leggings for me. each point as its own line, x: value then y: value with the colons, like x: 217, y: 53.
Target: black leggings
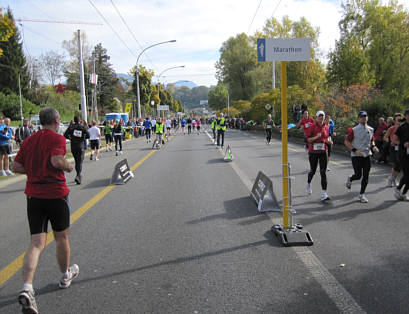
x: 268, y: 135
x: 148, y: 134
x: 78, y: 154
x: 118, y: 138
x: 322, y: 158
x: 362, y: 166
x: 404, y: 182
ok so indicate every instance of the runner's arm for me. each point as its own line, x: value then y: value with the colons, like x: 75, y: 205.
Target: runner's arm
x: 17, y: 167
x: 59, y: 162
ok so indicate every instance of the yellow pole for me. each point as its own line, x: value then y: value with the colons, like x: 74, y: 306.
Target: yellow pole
x: 284, y: 140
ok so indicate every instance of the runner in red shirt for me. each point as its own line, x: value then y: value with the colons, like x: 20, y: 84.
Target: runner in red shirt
x: 41, y: 158
x: 316, y: 136
x: 305, y: 123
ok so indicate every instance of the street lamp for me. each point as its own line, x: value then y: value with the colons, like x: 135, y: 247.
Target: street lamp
x: 180, y: 66
x: 137, y: 72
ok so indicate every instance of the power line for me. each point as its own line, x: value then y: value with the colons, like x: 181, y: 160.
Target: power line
x: 248, y: 31
x: 276, y: 7
x: 117, y: 35
x: 41, y: 35
x: 130, y: 31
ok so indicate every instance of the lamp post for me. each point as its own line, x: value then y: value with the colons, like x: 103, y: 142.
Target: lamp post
x: 137, y: 72
x: 176, y: 67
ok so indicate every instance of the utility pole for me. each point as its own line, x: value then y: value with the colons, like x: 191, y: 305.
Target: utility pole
x: 82, y: 84
x: 274, y: 75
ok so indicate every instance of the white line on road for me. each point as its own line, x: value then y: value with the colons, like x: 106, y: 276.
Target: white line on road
x: 335, y: 291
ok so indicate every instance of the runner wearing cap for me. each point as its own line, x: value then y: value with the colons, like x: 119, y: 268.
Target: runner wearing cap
x: 359, y: 141
x: 317, y: 137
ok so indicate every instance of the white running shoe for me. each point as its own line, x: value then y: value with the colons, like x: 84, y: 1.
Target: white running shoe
x: 324, y: 196
x: 398, y: 195
x: 3, y: 173
x: 96, y: 158
x: 309, y: 191
x: 348, y: 183
x: 121, y: 152
x: 362, y: 198
x: 27, y: 302
x: 9, y: 173
x: 405, y: 197
x: 73, y: 272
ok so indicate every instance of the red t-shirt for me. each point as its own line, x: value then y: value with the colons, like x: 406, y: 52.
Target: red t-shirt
x: 43, y: 180
x: 318, y: 145
x: 306, y: 123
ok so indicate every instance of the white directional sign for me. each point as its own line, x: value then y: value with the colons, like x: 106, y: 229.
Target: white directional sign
x: 162, y: 107
x: 283, y: 49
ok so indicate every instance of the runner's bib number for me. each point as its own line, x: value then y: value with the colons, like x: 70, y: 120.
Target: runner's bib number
x: 396, y: 148
x: 307, y: 125
x: 268, y: 126
x: 319, y: 146
x: 117, y: 134
x: 77, y: 133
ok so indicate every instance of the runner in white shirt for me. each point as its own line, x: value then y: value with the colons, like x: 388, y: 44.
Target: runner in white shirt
x: 168, y: 124
x: 95, y: 138
x: 153, y: 122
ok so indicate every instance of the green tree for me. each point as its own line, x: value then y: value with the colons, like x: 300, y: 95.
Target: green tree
x: 218, y: 97
x: 236, y: 65
x: 107, y: 80
x: 145, y: 84
x: 12, y: 62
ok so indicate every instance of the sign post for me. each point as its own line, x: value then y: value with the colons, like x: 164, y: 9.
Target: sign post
x: 283, y: 50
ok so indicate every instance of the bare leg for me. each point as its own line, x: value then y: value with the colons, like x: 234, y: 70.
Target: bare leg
x: 6, y: 162
x: 1, y: 162
x: 32, y: 256
x: 63, y: 249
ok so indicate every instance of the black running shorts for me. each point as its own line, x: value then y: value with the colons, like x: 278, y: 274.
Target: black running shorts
x: 94, y: 144
x: 40, y: 211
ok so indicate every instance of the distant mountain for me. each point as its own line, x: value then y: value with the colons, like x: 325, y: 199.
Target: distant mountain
x: 125, y: 76
x: 189, y: 84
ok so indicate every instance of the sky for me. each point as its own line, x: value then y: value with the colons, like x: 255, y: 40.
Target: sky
x: 199, y: 27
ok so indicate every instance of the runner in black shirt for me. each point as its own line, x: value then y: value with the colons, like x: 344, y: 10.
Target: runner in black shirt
x: 402, y: 137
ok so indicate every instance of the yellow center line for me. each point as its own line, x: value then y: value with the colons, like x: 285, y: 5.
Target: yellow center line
x: 7, y: 272
x: 335, y: 163
x: 292, y: 149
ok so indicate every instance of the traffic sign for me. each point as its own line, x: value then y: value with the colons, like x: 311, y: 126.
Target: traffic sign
x: 268, y: 107
x: 162, y: 107
x: 283, y: 49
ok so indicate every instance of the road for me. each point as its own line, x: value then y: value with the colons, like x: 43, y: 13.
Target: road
x: 184, y: 236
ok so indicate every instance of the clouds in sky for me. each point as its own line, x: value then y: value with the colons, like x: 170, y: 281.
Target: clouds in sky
x: 200, y: 27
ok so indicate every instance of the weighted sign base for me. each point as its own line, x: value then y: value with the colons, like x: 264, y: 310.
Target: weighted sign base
x: 122, y: 173
x: 228, y: 156
x: 293, y: 236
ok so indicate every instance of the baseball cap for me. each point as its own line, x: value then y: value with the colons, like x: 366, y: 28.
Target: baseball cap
x: 362, y: 114
x: 320, y: 112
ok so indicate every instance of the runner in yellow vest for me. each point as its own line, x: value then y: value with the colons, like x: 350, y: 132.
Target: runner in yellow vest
x: 220, y: 128
x: 213, y: 127
x: 159, y: 131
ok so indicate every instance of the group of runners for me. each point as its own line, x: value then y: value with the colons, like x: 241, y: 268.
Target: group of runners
x: 360, y: 141
x: 191, y: 123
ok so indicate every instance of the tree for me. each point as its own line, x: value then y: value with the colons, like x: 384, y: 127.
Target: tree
x: 218, y: 97
x: 238, y: 60
x: 6, y: 28
x: 107, y: 80
x: 145, y: 84
x: 13, y: 62
x: 52, y: 65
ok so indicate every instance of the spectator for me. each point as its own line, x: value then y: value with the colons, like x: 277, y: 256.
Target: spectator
x: 23, y: 132
x: 6, y: 134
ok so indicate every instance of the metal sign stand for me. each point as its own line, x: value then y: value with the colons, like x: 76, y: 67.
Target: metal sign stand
x: 122, y: 173
x: 228, y: 156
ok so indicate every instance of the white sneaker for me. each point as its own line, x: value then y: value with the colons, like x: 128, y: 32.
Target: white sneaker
x: 309, y: 191
x: 96, y: 158
x: 362, y: 198
x: 9, y: 173
x: 3, y: 173
x: 398, y: 195
x: 348, y: 183
x: 405, y: 197
x: 121, y: 152
x: 73, y: 272
x: 324, y: 196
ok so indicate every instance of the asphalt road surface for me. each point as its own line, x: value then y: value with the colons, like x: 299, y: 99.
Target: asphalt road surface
x: 184, y: 236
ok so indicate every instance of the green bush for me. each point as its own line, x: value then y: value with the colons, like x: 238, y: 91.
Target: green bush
x: 10, y: 106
